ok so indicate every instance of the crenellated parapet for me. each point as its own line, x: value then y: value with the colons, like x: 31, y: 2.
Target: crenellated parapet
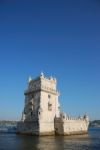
x: 42, y: 83
x: 64, y: 117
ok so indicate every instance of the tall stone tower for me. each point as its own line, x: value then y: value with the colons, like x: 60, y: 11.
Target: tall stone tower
x: 41, y: 114
x: 41, y: 106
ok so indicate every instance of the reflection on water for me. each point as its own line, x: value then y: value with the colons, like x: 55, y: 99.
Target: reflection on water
x: 80, y: 142
x: 62, y: 142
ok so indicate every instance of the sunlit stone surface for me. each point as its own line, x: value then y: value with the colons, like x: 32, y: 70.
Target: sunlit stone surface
x: 42, y: 115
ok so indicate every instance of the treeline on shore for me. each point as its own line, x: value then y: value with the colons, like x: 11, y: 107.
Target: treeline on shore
x: 7, y: 122
x: 95, y: 123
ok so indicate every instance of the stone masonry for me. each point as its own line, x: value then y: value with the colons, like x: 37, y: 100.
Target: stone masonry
x: 42, y: 114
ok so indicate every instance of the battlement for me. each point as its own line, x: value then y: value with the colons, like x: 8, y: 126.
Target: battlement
x: 71, y: 119
x: 43, y: 77
x: 65, y: 117
x: 42, y: 83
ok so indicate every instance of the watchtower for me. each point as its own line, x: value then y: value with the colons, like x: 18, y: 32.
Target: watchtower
x: 41, y: 104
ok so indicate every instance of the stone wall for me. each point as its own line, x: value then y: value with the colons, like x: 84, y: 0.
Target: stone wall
x: 71, y: 126
x: 28, y: 128
x: 47, y: 128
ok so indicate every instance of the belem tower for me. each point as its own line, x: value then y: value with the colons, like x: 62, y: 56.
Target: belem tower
x: 42, y: 114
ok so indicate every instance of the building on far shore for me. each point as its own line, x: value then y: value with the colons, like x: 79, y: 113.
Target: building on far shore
x: 42, y: 114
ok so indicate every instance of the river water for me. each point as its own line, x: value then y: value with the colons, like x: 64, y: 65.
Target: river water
x: 11, y: 141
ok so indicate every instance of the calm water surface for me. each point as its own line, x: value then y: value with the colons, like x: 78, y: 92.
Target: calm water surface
x: 21, y: 142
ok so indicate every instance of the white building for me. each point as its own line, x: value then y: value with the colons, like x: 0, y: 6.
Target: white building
x: 42, y: 115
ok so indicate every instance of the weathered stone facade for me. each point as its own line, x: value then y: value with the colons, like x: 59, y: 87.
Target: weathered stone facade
x: 42, y: 115
x: 65, y: 125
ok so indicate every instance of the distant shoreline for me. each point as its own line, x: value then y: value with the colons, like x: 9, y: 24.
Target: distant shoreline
x: 94, y: 126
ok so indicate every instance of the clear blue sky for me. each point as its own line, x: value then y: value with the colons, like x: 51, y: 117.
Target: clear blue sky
x: 62, y: 38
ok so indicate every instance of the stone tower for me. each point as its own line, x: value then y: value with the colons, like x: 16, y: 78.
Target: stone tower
x: 41, y: 106
x: 42, y: 116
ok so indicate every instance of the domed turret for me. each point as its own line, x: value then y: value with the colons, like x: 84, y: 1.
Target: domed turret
x: 42, y: 74
x: 86, y: 117
x: 29, y: 79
